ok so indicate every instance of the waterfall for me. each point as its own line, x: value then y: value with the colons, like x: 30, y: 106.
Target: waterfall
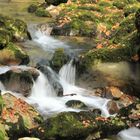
x: 67, y: 73
x: 46, y: 42
x: 42, y: 87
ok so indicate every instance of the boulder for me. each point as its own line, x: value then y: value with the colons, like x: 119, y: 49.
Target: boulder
x: 32, y: 8
x: 112, y: 107
x: 78, y: 126
x: 19, y: 80
x: 13, y: 55
x: 18, y: 117
x: 59, y: 59
x: 52, y: 78
x: 76, y: 104
x: 17, y: 28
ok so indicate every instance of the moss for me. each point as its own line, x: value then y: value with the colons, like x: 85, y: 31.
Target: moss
x: 16, y: 53
x: 15, y: 27
x: 108, y: 55
x: 41, y: 12
x: 5, y: 38
x: 121, y: 4
x: 59, y: 59
x: 67, y: 125
x: 129, y: 9
x: 126, y: 27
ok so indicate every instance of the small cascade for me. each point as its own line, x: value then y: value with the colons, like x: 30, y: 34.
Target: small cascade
x: 129, y: 134
x: 42, y: 38
x: 42, y: 87
x: 67, y: 73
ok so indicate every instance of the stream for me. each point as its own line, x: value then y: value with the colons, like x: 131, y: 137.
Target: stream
x: 43, y: 93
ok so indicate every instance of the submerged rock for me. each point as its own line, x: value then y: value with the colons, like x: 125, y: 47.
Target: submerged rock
x: 19, y: 80
x: 76, y: 104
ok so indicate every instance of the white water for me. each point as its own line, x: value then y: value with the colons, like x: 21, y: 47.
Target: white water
x: 47, y: 103
x: 67, y: 72
x: 129, y: 134
x: 44, y: 40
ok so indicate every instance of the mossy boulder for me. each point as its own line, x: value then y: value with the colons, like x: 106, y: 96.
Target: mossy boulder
x: 76, y: 104
x: 78, y: 126
x: 107, y: 55
x: 71, y: 124
x: 18, y: 117
x: 13, y: 54
x: 17, y: 28
x: 42, y: 12
x: 59, y: 59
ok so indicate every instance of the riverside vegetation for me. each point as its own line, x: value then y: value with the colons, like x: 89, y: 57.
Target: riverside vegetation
x: 113, y: 26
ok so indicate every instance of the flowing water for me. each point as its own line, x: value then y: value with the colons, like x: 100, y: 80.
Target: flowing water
x: 43, y: 95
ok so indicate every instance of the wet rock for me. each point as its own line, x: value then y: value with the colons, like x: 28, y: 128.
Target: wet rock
x: 72, y: 125
x: 32, y: 8
x: 19, y: 80
x: 59, y: 59
x: 79, y: 126
x: 52, y: 78
x: 55, y: 2
x: 18, y: 117
x: 113, y: 92
x: 112, y: 107
x: 76, y: 104
x: 97, y: 112
x: 64, y: 30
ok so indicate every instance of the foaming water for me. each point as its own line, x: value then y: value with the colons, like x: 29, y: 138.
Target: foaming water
x: 48, y: 103
x: 67, y: 72
x: 129, y: 134
x: 44, y: 40
x: 43, y: 94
